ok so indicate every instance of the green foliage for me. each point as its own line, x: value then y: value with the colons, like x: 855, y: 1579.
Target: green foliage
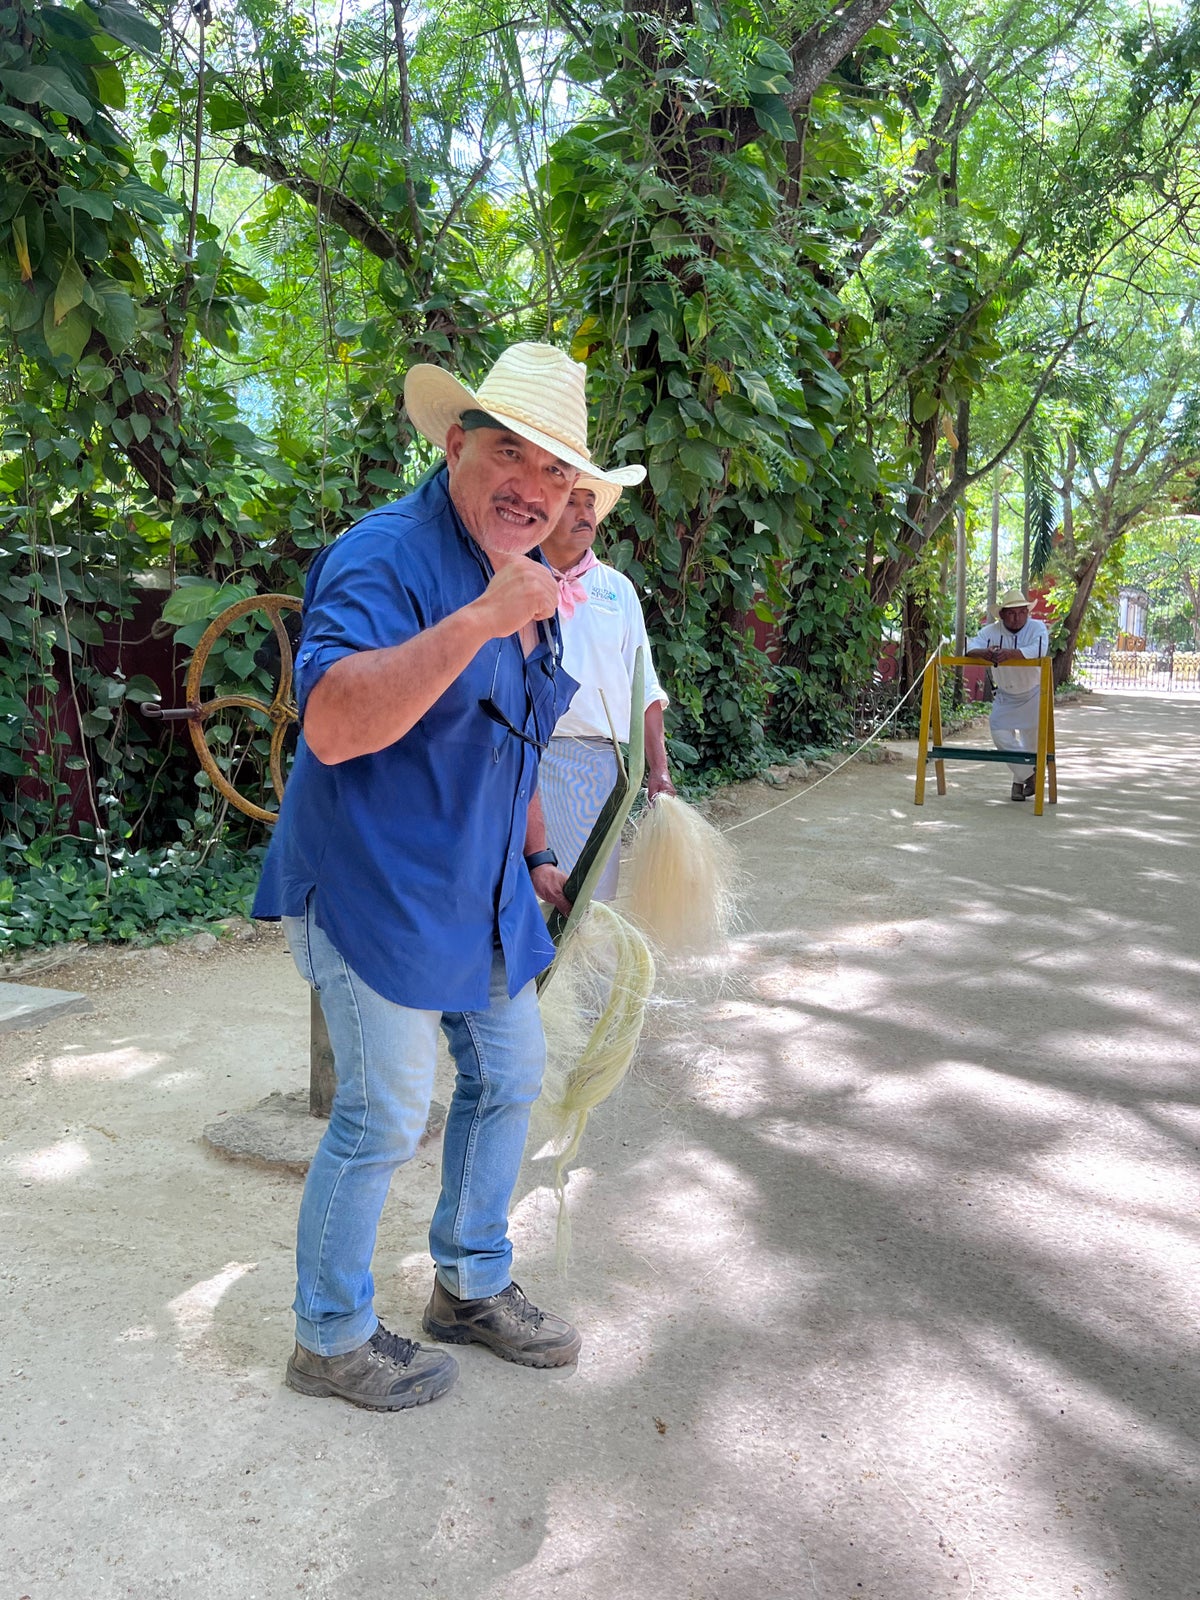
x: 68, y: 892
x: 1162, y: 555
x: 223, y: 245
x: 709, y: 346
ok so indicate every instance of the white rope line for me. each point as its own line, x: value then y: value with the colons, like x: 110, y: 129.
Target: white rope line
x: 870, y: 739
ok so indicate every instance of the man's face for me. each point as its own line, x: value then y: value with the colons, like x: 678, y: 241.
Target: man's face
x: 508, y: 492
x: 1014, y: 618
x: 577, y: 525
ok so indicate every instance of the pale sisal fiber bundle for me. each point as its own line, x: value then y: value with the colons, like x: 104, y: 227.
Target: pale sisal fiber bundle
x: 680, y: 880
x: 606, y: 971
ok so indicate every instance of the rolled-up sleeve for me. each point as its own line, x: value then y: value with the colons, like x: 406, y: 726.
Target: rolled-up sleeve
x: 357, y: 603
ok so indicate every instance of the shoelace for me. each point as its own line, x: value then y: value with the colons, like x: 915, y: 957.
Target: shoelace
x: 392, y: 1346
x: 524, y: 1311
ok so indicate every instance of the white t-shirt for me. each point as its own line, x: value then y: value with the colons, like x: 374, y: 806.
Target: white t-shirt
x: 599, y: 643
x: 1033, y: 640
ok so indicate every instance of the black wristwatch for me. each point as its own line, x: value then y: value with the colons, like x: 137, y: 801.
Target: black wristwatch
x: 541, y: 858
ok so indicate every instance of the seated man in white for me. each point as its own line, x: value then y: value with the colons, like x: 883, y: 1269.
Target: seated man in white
x: 602, y: 627
x: 1014, y: 637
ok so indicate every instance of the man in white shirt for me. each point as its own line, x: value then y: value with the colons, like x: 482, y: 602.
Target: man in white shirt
x: 602, y: 627
x: 1014, y: 637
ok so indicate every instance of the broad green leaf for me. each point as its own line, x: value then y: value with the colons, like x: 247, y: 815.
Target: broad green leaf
x: 48, y: 86
x: 21, y: 246
x: 695, y: 317
x: 147, y: 202
x: 93, y: 375
x: 117, y: 317
x: 193, y: 603
x: 774, y: 84
x: 93, y: 201
x: 22, y: 121
x: 197, y: 601
x: 224, y: 113
x: 83, y: 626
x: 127, y: 25
x: 29, y: 308
x: 66, y: 338
x: 669, y: 239
x: 72, y: 286
x: 773, y: 117
x: 759, y: 392
x: 703, y: 459
x: 771, y: 55
x: 925, y: 405
x: 110, y: 85
x: 736, y: 416
x: 664, y: 423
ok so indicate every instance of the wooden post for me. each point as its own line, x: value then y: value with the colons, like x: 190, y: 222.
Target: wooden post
x: 927, y: 684
x: 935, y: 706
x: 960, y: 598
x: 321, y: 1078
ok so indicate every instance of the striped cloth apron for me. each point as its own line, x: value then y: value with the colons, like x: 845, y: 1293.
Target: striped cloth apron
x: 575, y: 778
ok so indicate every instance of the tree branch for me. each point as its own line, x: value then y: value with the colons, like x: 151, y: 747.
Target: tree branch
x: 816, y: 53
x: 332, y: 204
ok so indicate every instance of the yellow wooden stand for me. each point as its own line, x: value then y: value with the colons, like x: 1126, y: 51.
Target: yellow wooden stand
x: 1042, y: 760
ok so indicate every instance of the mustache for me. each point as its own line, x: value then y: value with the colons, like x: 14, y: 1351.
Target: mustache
x: 584, y: 525
x: 519, y: 505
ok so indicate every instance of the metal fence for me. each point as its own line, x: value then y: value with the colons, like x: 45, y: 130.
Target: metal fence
x: 1102, y: 667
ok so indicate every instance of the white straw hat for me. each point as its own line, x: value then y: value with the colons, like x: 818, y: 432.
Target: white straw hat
x: 607, y: 494
x: 535, y: 390
x: 1012, y: 600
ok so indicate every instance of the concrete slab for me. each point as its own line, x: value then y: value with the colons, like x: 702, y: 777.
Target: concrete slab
x: 24, y: 1005
x: 282, y: 1133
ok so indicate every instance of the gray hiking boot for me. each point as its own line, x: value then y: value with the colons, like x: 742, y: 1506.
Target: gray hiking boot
x: 1018, y: 789
x: 506, y: 1323
x: 387, y: 1373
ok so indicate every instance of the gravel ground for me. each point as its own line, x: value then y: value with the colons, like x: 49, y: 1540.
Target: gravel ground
x: 885, y: 1257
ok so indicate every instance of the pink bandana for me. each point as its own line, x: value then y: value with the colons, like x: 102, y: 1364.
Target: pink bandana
x: 571, y: 592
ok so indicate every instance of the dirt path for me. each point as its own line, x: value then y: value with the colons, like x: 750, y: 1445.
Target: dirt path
x: 886, y: 1260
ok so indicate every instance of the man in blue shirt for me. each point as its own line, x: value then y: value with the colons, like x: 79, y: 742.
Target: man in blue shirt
x: 407, y: 863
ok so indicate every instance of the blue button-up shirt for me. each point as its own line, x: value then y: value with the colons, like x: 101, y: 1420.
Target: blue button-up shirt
x: 415, y: 854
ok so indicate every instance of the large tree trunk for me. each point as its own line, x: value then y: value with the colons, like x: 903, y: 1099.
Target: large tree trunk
x: 916, y: 641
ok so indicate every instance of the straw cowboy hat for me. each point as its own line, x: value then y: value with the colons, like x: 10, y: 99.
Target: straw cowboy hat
x: 534, y: 390
x: 607, y: 494
x: 1012, y: 600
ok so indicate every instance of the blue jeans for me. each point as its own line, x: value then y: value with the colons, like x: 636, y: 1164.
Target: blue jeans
x: 384, y: 1058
